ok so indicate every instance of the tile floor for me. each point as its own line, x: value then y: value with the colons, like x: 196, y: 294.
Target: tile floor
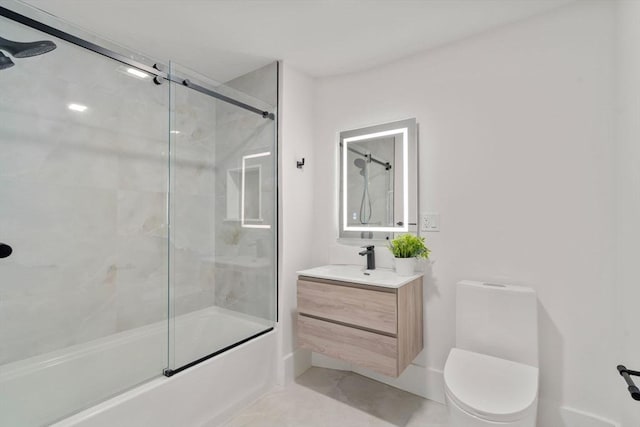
x: 329, y: 398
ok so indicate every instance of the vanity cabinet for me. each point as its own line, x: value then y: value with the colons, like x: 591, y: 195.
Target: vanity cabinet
x: 375, y: 327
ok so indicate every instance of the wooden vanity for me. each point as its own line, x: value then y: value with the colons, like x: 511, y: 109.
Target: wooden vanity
x: 378, y: 327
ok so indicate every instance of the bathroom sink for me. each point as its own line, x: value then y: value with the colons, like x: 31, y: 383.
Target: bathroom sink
x: 384, y: 277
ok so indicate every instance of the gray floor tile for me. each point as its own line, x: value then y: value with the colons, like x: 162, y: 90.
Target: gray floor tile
x: 329, y: 398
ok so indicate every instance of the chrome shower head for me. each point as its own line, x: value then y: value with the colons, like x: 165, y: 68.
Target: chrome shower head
x: 5, y: 62
x: 26, y: 49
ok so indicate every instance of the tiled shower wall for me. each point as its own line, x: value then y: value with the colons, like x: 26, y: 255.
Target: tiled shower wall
x: 83, y: 202
x: 245, y: 260
x: 193, y: 198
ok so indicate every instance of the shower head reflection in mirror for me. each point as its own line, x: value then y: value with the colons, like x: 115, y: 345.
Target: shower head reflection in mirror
x: 377, y: 194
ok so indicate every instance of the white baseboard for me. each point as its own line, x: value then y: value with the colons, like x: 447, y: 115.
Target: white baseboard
x: 295, y: 364
x: 572, y: 417
x: 424, y: 382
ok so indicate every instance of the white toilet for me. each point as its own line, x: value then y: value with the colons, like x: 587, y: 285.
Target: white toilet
x: 491, y: 376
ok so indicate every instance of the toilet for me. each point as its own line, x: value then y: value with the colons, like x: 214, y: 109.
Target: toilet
x: 491, y: 376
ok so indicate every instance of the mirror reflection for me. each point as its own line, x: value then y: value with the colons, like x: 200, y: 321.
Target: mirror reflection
x: 377, y: 196
x: 370, y: 178
x: 245, y: 188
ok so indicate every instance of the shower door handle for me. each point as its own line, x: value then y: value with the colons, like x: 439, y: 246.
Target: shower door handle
x: 400, y: 223
x: 5, y: 250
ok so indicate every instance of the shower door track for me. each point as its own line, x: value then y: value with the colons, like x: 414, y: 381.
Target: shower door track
x: 156, y: 70
x: 171, y: 372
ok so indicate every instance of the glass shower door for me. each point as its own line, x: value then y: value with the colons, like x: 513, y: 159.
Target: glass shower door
x: 83, y: 189
x: 223, y: 217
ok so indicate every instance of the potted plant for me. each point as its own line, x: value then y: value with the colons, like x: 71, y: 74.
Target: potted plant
x: 405, y: 249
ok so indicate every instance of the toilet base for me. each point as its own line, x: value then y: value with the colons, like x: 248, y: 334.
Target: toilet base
x: 460, y: 418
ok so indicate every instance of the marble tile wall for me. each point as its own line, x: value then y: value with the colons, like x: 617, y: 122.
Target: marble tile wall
x: 84, y: 198
x: 192, y: 200
x: 245, y: 261
x: 82, y: 202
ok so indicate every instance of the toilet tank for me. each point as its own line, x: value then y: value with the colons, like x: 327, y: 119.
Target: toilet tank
x: 498, y: 320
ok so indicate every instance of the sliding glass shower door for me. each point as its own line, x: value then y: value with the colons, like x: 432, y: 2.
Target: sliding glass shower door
x: 83, y: 189
x: 223, y: 214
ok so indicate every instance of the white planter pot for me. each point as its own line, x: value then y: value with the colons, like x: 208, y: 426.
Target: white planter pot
x: 405, y: 266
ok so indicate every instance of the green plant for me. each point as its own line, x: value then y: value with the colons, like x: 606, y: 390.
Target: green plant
x: 409, y: 246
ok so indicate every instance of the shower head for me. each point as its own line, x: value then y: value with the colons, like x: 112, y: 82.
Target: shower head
x: 26, y: 49
x: 362, y: 164
x: 5, y: 62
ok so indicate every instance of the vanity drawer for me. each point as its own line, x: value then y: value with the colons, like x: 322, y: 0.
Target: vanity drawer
x: 365, y: 308
x: 367, y: 349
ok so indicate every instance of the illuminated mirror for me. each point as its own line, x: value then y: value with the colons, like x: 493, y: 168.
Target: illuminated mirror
x: 378, y: 181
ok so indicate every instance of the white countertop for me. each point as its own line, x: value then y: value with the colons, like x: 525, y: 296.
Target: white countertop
x: 384, y: 277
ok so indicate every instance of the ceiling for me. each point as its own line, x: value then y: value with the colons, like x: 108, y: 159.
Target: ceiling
x: 227, y: 38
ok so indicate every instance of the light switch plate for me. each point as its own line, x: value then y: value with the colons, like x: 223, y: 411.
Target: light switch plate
x: 430, y: 221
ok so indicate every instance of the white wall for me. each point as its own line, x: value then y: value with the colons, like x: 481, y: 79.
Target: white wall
x: 296, y: 208
x: 517, y: 155
x: 628, y: 25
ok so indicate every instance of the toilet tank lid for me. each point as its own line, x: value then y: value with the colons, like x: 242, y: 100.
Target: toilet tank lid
x: 489, y: 387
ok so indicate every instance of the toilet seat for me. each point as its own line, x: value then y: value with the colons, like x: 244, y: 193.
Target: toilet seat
x: 491, y: 388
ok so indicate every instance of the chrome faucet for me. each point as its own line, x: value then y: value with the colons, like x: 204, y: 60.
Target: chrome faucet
x: 370, y: 252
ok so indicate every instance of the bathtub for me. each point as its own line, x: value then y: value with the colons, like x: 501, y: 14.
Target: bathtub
x: 110, y: 376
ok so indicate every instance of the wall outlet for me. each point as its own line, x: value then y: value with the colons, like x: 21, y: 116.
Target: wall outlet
x: 430, y: 221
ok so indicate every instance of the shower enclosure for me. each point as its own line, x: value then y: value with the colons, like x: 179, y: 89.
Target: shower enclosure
x: 138, y: 216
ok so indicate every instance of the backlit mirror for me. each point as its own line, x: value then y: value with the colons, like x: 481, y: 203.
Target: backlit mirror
x: 378, y: 180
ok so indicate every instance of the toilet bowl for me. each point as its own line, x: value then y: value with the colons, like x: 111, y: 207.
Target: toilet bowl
x: 491, y: 376
x: 484, y: 390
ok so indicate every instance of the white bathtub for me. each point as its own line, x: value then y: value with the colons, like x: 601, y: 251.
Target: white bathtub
x: 43, y: 389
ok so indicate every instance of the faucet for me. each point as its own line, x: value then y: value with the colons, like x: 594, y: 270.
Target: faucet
x: 370, y: 252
